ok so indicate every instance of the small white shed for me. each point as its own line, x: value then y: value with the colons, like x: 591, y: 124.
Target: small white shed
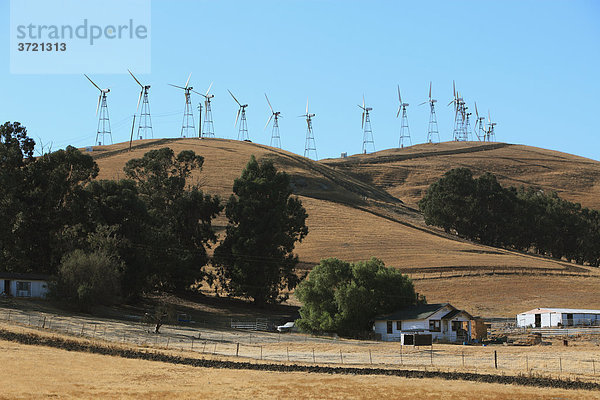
x: 23, y: 285
x: 556, y: 317
x: 442, y: 321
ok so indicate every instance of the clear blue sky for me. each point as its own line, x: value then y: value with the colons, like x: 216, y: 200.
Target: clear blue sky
x: 534, y: 64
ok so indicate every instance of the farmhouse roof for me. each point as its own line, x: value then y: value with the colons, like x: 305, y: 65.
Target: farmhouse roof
x: 421, y: 311
x: 24, y: 276
x: 561, y: 311
x: 455, y: 312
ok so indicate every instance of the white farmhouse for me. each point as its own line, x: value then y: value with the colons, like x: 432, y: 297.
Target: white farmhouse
x: 443, y: 321
x: 23, y: 285
x: 555, y: 317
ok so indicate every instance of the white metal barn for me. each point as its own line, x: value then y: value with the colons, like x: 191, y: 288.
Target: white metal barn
x: 442, y: 321
x: 23, y: 285
x: 556, y: 317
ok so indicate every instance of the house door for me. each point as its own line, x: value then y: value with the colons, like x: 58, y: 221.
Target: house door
x: 538, y: 320
x: 7, y: 287
x: 569, y: 319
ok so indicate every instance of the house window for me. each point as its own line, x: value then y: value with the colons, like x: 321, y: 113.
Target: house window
x: 23, y: 289
x: 389, y: 327
x: 434, y: 325
x: 398, y: 325
x: 456, y: 325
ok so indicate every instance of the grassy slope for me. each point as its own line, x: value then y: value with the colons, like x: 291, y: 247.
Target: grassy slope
x: 355, y: 210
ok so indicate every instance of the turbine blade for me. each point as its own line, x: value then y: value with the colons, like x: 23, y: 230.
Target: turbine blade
x: 208, y: 89
x: 188, y: 80
x: 429, y: 90
x: 197, y: 92
x: 307, y: 106
x: 236, y: 117
x: 476, y: 112
x: 453, y: 88
x: 139, y: 99
x: 269, y: 103
x: 178, y: 87
x: 236, y: 100
x: 131, y: 73
x: 399, y: 97
x: 363, y: 101
x: 92, y: 82
x: 398, y: 113
x: 425, y: 102
x: 98, y: 106
x: 363, y: 121
x: 269, y: 120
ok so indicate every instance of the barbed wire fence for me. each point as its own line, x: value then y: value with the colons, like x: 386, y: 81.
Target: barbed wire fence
x: 300, y: 348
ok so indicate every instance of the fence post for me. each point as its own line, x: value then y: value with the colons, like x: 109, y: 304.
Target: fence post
x: 495, y: 359
x: 287, y: 349
x: 204, y: 347
x: 192, y: 343
x: 401, y: 360
x: 44, y: 323
x: 168, y: 340
x: 560, y: 364
x: 314, y: 355
x: 463, y: 358
x: 237, y: 350
x: 527, y: 362
x: 215, y: 349
x: 82, y: 326
x: 431, y: 353
x: 371, y: 358
x: 261, y: 352
x: 341, y: 356
x: 594, y: 366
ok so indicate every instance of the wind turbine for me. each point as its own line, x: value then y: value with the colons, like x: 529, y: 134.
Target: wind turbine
x: 310, y: 144
x: 145, y: 123
x: 491, y: 134
x: 187, y: 126
x: 366, y: 126
x: 103, y: 120
x: 479, y: 125
x: 432, y: 127
x: 275, y: 115
x: 459, y: 133
x: 404, y: 129
x: 209, y: 129
x: 243, y: 130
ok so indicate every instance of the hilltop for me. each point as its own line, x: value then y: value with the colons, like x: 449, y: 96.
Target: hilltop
x: 365, y: 205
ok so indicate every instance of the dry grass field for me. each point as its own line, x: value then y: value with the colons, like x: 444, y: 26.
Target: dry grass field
x: 54, y: 373
x: 363, y: 206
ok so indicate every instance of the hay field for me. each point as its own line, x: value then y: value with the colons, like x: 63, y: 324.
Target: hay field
x: 406, y: 173
x: 64, y: 374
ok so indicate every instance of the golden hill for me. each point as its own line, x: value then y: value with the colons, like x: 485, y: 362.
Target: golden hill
x: 406, y: 173
x: 356, y: 209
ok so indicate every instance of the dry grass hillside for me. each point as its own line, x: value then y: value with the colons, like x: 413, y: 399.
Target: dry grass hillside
x: 364, y: 206
x: 406, y: 173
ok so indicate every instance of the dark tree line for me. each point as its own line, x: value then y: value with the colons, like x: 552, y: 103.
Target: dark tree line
x: 529, y: 219
x: 108, y: 240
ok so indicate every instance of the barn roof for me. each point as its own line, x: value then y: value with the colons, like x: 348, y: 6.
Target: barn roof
x: 561, y: 311
x: 420, y: 311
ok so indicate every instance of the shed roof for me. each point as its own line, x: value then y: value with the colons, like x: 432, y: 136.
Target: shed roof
x: 24, y: 276
x: 421, y: 311
x: 561, y: 311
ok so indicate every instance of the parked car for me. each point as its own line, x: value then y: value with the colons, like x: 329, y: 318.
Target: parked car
x: 287, y: 327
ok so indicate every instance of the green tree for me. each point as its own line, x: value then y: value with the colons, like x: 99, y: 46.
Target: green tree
x: 88, y: 279
x: 256, y: 257
x: 180, y: 216
x: 342, y: 297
